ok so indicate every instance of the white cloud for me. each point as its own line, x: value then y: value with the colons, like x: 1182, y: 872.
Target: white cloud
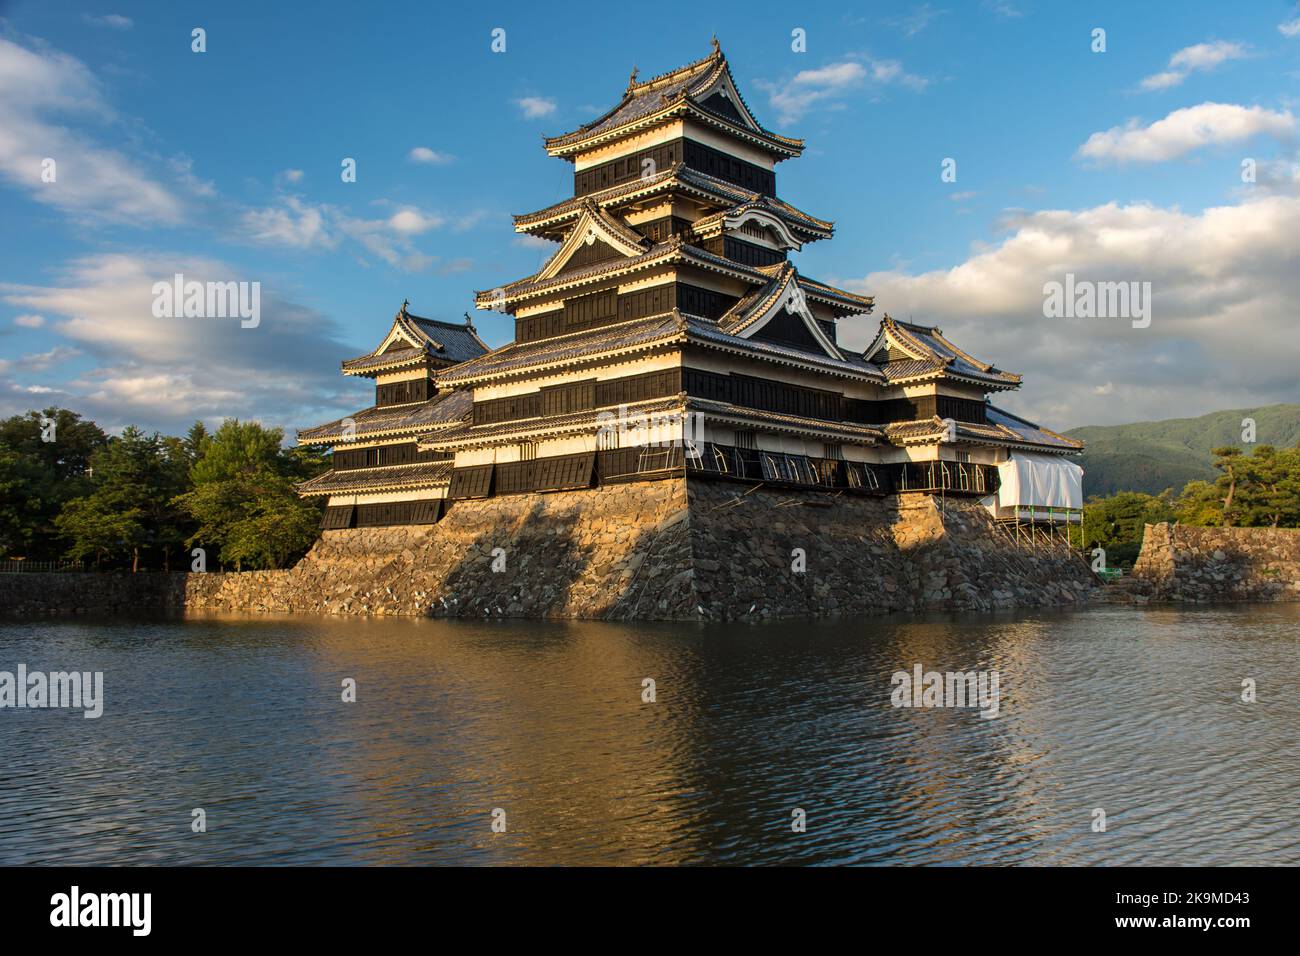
x: 30, y: 321
x: 1163, y: 81
x: 535, y: 107
x: 423, y: 154
x: 90, y: 180
x: 293, y: 223
x: 1289, y: 29
x: 412, y: 221
x: 1003, y: 8
x: 917, y: 20
x: 291, y: 175
x: 1185, y: 130
x: 165, y: 373
x: 826, y: 85
x: 114, y: 21
x: 38, y: 361
x: 1201, y: 56
x: 1224, y: 284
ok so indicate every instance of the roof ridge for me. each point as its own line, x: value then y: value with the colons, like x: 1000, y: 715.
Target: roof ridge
x: 663, y: 78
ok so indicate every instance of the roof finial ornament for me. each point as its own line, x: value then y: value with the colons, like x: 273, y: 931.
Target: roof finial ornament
x: 717, y: 47
x: 405, y: 303
x: 631, y: 80
x: 468, y: 322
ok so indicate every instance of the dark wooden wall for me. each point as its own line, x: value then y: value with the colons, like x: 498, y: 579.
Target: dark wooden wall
x: 401, y: 393
x: 579, y: 396
x: 406, y: 453
x: 606, y: 306
x: 697, y: 156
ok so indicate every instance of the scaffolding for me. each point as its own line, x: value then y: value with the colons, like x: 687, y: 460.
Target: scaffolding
x: 1043, y: 526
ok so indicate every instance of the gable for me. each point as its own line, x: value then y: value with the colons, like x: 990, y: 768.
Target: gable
x: 785, y: 328
x: 398, y: 337
x: 589, y: 254
x: 594, y: 228
x: 723, y: 99
x: 722, y: 105
x: 787, y: 311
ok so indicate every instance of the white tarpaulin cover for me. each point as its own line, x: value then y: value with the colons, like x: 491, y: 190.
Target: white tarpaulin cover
x: 1040, y: 481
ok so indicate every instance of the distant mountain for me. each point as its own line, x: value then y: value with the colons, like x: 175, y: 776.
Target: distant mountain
x: 1153, y: 456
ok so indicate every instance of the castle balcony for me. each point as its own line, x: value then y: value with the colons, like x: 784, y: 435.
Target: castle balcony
x: 946, y: 478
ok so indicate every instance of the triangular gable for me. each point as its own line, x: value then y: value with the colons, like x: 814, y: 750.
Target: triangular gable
x: 594, y: 225
x: 403, y: 334
x: 783, y: 296
x: 887, y: 339
x: 723, y: 91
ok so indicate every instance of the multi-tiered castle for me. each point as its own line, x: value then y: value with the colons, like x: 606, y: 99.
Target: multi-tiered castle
x: 671, y: 333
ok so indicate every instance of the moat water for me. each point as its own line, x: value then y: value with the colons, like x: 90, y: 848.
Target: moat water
x: 1133, y: 711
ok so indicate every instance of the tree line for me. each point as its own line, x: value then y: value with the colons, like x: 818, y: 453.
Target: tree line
x: 144, y: 501
x: 1259, y: 490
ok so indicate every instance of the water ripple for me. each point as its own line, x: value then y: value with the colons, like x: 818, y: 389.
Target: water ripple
x: 1134, y: 712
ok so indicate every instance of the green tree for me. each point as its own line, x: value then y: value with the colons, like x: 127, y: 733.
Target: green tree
x: 1200, y: 504
x: 22, y: 483
x: 129, y: 510
x: 1116, y: 523
x: 44, y: 463
x: 243, y: 500
x: 1267, y: 495
x: 1228, y: 458
x: 111, y: 522
x: 195, y: 442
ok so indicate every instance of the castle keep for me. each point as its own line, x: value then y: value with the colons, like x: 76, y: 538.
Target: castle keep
x: 671, y: 336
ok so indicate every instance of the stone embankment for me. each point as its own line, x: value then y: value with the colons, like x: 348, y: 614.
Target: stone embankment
x: 1208, y: 565
x: 668, y: 549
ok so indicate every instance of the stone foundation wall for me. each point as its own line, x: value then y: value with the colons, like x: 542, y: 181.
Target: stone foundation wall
x: 29, y: 595
x: 865, y: 555
x: 602, y: 553
x: 673, y: 549
x: 1201, y: 565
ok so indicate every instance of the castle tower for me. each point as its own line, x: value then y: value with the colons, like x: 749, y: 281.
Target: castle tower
x: 671, y: 333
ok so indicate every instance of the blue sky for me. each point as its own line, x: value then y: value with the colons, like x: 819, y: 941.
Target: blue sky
x: 224, y: 165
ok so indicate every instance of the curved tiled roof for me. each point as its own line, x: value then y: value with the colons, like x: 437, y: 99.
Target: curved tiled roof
x: 391, y: 358
x: 392, y: 478
x: 1002, y: 428
x: 749, y: 308
x: 449, y: 340
x: 621, y: 337
x: 683, y: 178
x: 1035, y: 434
x: 706, y: 332
x: 374, y: 422
x: 589, y: 420
x: 445, y: 342
x: 932, y: 354
x: 818, y: 426
x: 671, y: 251
x: 644, y: 101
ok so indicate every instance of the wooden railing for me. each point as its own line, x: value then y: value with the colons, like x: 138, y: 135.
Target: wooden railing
x: 947, y: 477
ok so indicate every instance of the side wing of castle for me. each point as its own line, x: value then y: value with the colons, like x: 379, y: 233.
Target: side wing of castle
x: 670, y: 333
